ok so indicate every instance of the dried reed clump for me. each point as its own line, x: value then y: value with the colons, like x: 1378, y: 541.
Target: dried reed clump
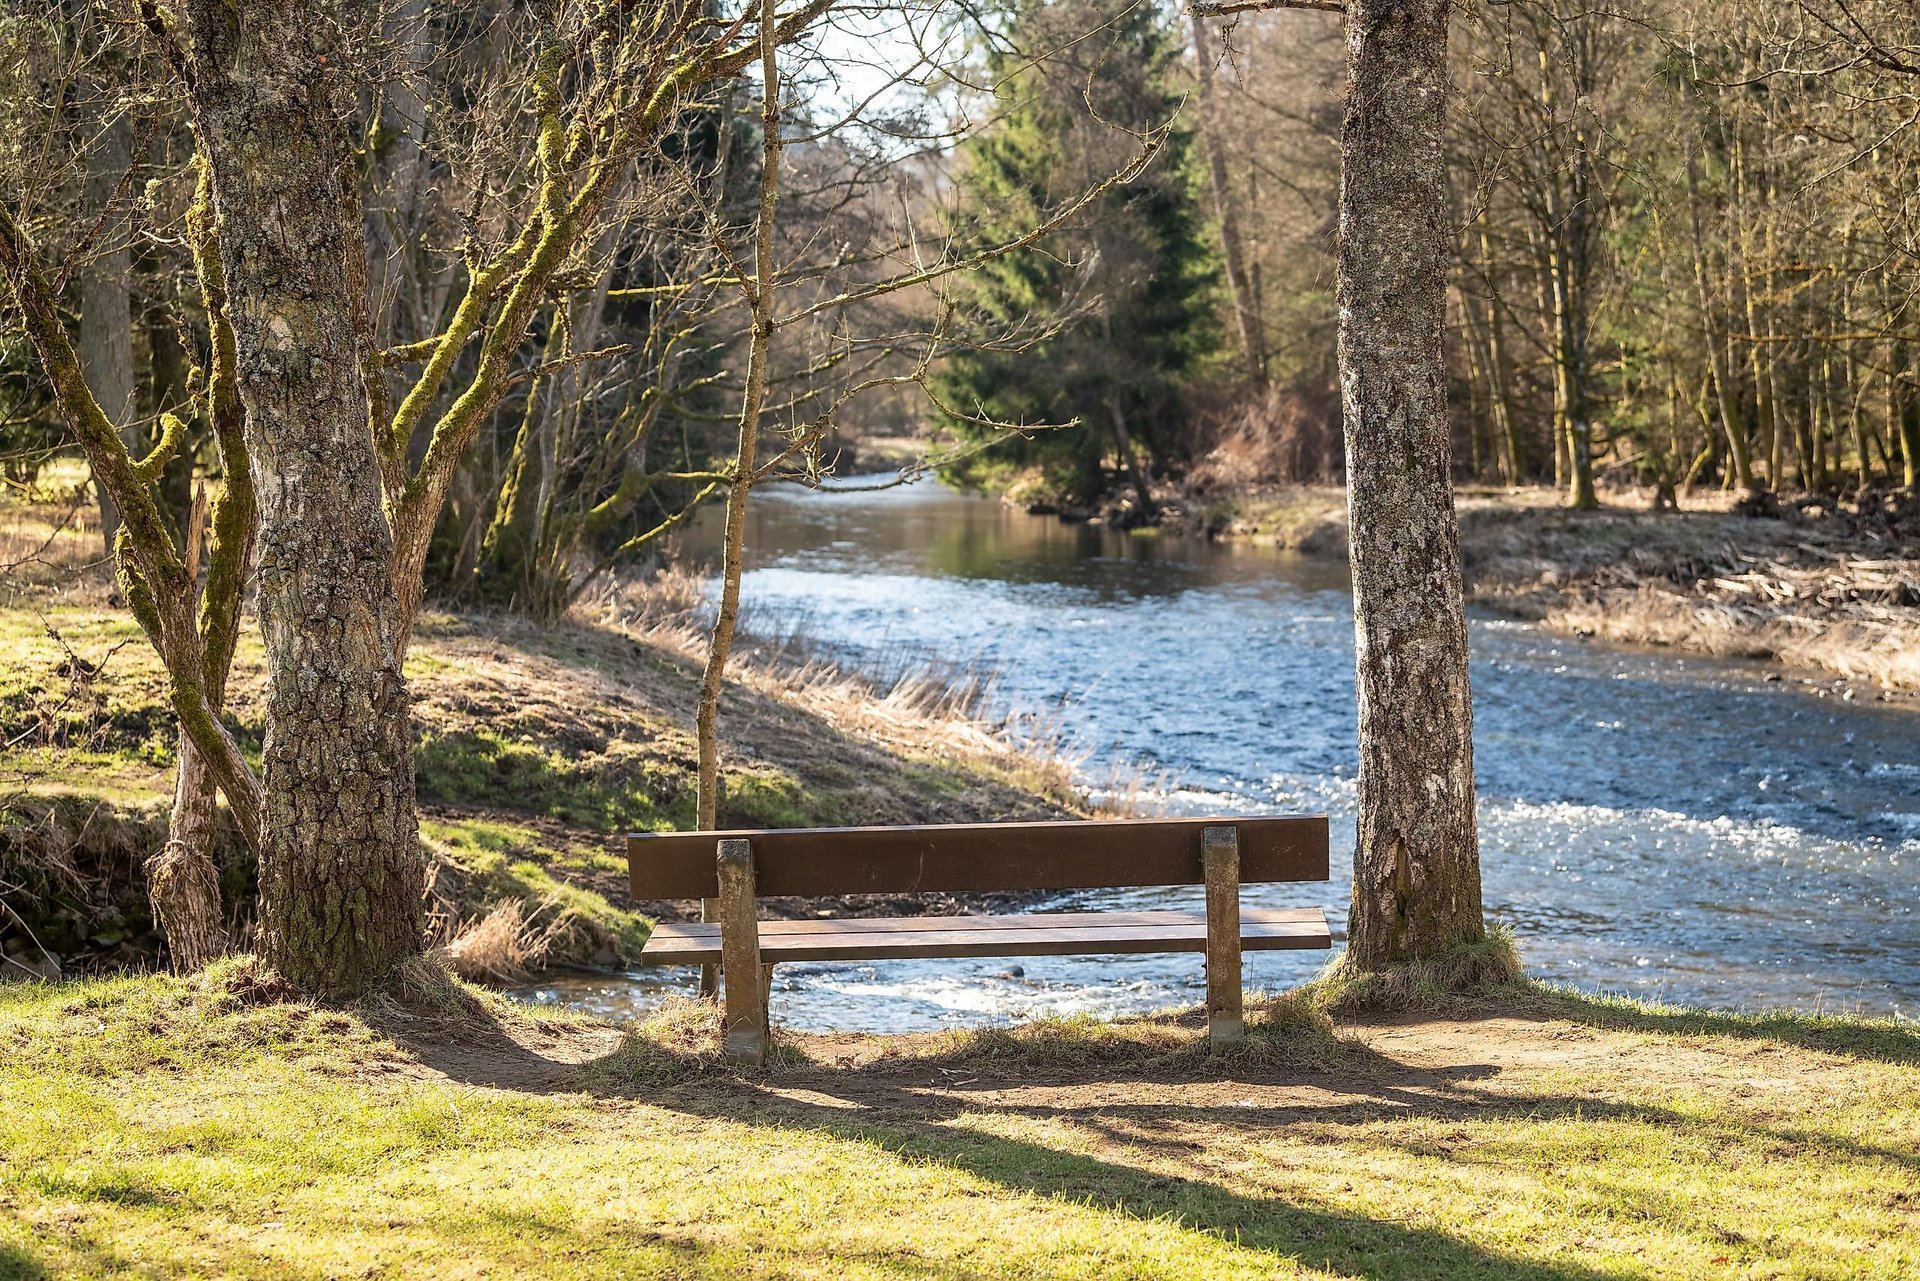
x: 1288, y: 435
x: 501, y: 947
x: 1129, y: 789
x: 1285, y: 1030
x: 897, y: 699
x: 679, y: 1041
x: 665, y: 603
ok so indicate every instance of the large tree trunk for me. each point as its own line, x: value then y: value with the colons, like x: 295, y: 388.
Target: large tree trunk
x: 341, y: 875
x: 1416, y: 886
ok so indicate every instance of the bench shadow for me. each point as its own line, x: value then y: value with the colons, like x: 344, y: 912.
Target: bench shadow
x: 471, y: 1045
x: 878, y: 1107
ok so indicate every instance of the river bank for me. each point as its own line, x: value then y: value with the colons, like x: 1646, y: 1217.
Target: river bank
x: 208, y: 1126
x: 538, y: 745
x: 1826, y: 590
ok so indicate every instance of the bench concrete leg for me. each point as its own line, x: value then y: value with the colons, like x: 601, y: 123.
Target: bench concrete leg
x: 744, y: 1017
x: 1220, y: 857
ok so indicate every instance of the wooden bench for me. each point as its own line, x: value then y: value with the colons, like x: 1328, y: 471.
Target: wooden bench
x: 734, y: 869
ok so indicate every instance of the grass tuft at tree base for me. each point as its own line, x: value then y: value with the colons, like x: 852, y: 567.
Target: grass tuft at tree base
x: 1444, y: 983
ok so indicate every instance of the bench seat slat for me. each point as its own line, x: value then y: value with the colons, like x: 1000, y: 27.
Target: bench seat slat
x: 1025, y: 934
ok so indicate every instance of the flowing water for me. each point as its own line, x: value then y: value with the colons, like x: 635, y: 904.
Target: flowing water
x: 1683, y: 828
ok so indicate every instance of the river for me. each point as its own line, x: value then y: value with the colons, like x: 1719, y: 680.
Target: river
x: 1674, y: 827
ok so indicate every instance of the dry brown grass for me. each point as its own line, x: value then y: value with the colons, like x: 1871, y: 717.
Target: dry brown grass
x: 1886, y: 654
x: 915, y: 708
x: 50, y: 543
x: 1436, y: 984
x: 1288, y: 435
x: 501, y: 947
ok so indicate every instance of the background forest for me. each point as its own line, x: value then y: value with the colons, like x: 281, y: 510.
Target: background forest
x: 1684, y: 236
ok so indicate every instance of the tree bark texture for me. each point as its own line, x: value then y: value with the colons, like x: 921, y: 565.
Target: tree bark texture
x: 1416, y: 888
x: 183, y: 883
x: 341, y: 874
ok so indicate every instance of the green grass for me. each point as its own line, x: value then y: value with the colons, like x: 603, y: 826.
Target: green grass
x: 622, y: 787
x: 160, y: 1127
x: 573, y: 887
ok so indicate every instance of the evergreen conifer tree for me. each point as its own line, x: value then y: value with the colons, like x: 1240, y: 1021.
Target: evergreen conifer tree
x: 1129, y: 287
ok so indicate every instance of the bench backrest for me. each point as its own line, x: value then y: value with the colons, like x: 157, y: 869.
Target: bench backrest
x: 961, y: 857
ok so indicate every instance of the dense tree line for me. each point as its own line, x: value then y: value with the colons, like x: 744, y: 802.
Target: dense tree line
x: 1684, y: 235
x: 1116, y: 313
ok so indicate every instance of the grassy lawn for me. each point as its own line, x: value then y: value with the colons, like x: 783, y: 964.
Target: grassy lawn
x: 158, y: 1127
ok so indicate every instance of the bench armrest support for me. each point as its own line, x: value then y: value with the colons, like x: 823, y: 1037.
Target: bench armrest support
x: 1220, y: 861
x: 744, y: 1022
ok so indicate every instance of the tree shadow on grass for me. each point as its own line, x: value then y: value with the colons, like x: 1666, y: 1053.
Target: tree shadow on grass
x: 658, y: 1252
x: 16, y: 1264
x: 1290, y: 1232
x: 887, y: 1106
x: 1144, y: 1097
x: 1874, y: 1039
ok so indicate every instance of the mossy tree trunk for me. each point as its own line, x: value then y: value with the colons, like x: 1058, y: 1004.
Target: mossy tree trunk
x: 341, y: 874
x: 183, y: 882
x: 192, y: 630
x: 1416, y: 889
